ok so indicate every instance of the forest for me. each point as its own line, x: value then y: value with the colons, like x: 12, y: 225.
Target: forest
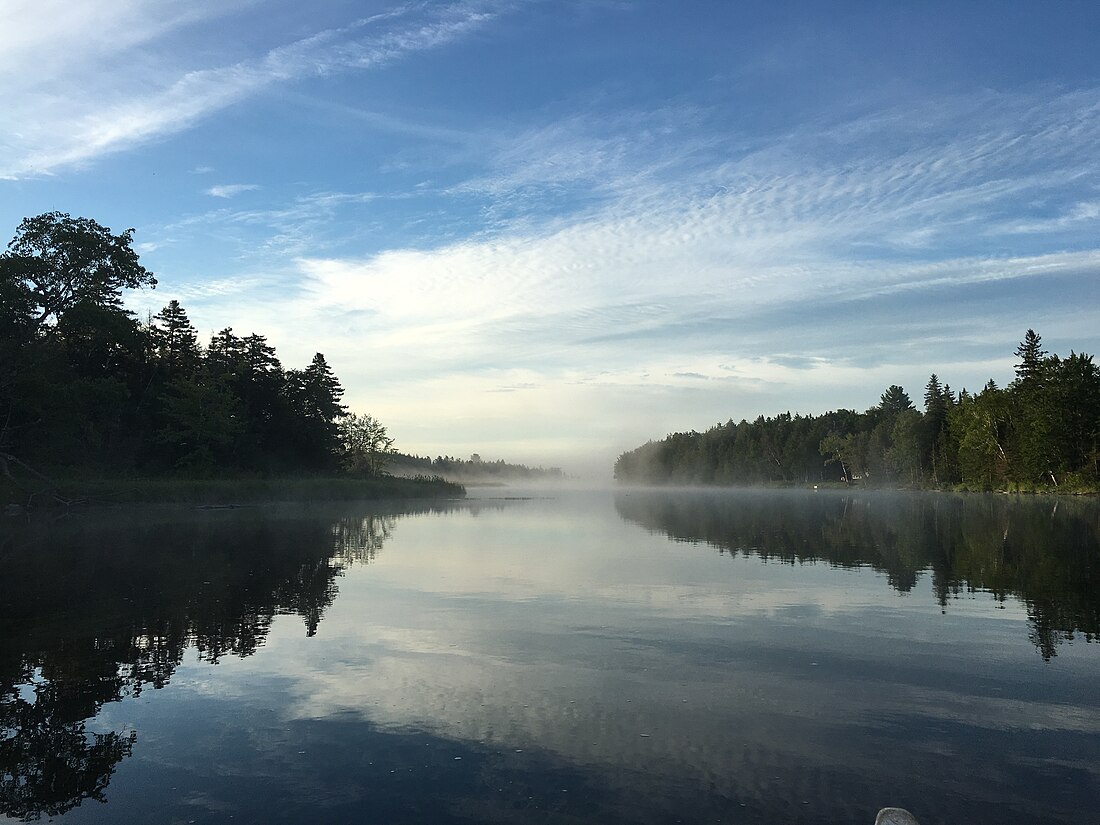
x: 1039, y: 433
x: 474, y: 470
x: 87, y: 388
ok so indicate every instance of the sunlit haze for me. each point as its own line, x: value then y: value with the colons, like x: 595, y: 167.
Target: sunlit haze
x: 549, y: 231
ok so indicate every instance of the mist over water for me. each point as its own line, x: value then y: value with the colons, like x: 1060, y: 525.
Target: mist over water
x: 557, y: 655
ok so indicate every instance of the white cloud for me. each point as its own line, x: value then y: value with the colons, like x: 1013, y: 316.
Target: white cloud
x: 734, y: 240
x: 41, y: 40
x: 1071, y: 219
x: 62, y: 118
x: 670, y: 269
x: 229, y: 190
x: 795, y: 274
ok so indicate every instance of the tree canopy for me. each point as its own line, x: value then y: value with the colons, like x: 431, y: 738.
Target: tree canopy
x: 1042, y: 431
x: 56, y: 262
x: 85, y: 384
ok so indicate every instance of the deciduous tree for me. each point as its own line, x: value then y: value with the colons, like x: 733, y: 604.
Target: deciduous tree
x: 56, y: 262
x: 367, y: 446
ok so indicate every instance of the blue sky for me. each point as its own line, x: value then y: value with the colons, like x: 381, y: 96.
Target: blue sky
x: 547, y: 231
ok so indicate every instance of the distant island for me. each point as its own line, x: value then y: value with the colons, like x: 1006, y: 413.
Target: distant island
x: 473, y: 470
x: 1041, y: 433
x: 96, y: 404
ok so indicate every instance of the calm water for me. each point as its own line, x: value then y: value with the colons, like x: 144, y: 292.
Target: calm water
x: 628, y: 657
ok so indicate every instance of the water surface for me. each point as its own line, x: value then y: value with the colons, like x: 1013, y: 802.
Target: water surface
x: 562, y: 657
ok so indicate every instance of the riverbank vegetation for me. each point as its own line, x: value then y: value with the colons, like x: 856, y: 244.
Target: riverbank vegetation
x: 95, y: 402
x: 1040, y: 433
x: 474, y: 470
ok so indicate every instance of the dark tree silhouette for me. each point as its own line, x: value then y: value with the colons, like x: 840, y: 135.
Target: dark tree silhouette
x: 1041, y: 432
x: 56, y: 262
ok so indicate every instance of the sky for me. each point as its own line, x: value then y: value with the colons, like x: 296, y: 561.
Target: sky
x: 550, y: 231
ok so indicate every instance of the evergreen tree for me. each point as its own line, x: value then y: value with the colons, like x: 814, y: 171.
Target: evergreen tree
x: 895, y: 400
x: 313, y: 396
x: 202, y: 420
x: 1075, y: 431
x: 934, y: 421
x: 176, y: 341
x: 1033, y: 414
x: 1032, y: 358
x: 260, y: 384
x: 225, y: 354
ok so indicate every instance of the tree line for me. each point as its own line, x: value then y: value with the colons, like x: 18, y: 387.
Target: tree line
x: 85, y: 384
x: 475, y: 468
x: 1041, y: 432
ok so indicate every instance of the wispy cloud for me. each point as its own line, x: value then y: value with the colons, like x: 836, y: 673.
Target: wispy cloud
x: 275, y: 232
x: 619, y: 264
x: 45, y: 40
x: 749, y: 233
x: 229, y: 190
x: 699, y: 250
x: 1085, y: 212
x: 674, y: 270
x: 61, y: 122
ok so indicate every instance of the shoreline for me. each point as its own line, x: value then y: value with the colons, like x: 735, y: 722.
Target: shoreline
x: 96, y: 493
x: 835, y: 487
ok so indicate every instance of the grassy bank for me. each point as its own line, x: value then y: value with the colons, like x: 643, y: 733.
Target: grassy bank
x: 86, y: 491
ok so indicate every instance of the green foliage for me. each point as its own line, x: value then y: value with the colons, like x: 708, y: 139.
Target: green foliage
x: 474, y: 470
x: 56, y: 262
x: 366, y: 446
x: 904, y: 452
x: 313, y: 396
x: 983, y: 428
x: 202, y: 421
x: 895, y: 400
x: 175, y: 341
x: 86, y: 389
x: 1042, y: 432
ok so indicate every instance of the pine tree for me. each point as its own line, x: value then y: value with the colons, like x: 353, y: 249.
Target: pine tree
x: 313, y: 396
x: 225, y: 353
x: 1034, y: 414
x: 176, y: 341
x: 895, y: 400
x: 1031, y: 357
x: 934, y: 423
x: 1075, y: 429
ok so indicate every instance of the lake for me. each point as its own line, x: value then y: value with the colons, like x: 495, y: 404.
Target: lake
x: 624, y: 656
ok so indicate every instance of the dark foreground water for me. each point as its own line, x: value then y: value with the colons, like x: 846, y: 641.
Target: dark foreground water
x: 635, y: 657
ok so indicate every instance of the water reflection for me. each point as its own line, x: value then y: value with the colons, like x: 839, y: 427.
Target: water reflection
x: 548, y: 660
x: 85, y: 621
x: 1040, y: 551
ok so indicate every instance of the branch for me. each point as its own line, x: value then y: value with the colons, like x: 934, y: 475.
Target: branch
x: 7, y: 459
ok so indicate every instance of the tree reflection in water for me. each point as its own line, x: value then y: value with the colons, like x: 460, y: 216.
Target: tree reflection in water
x: 92, y: 611
x: 1043, y: 551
